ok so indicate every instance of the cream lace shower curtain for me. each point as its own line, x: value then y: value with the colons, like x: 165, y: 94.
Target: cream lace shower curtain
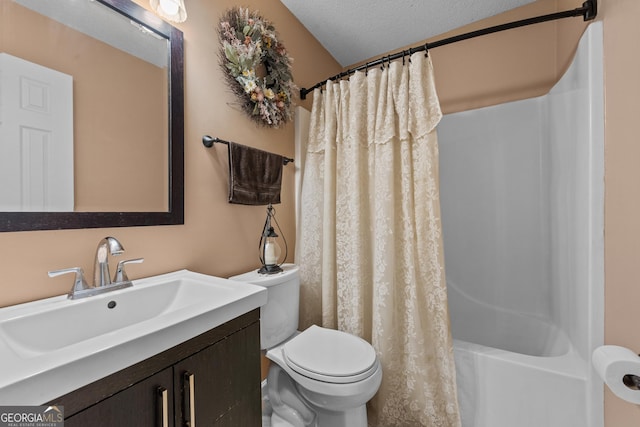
x: 369, y: 243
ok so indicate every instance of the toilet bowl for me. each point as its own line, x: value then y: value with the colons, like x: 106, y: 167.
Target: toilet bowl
x: 319, y: 377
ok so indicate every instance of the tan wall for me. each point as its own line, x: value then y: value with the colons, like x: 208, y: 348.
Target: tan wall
x: 217, y: 238
x: 505, y: 66
x: 622, y: 201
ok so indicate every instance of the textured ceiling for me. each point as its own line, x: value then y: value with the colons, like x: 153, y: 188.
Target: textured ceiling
x: 356, y: 30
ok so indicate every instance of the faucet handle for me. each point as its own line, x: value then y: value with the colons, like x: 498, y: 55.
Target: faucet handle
x: 79, y: 283
x: 121, y: 275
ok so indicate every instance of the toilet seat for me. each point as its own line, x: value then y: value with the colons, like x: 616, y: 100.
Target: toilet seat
x: 330, y: 356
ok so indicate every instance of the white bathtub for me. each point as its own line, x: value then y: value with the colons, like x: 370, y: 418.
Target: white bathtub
x: 498, y: 388
x: 527, y: 374
x: 522, y: 197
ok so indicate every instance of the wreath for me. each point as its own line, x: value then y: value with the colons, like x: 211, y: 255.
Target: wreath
x: 257, y: 67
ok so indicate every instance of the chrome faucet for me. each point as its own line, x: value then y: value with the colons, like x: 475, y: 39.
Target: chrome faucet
x: 106, y: 246
x: 101, y: 277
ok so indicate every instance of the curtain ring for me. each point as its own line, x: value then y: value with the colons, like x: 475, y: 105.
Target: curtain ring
x: 426, y: 50
x: 366, y: 69
x: 403, y: 54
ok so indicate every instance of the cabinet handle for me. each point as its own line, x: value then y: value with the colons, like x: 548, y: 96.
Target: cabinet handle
x: 163, y: 395
x: 190, y: 395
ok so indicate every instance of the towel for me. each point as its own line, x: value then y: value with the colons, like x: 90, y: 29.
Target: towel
x: 255, y: 176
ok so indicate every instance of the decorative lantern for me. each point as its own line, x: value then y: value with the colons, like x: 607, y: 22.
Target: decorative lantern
x: 269, y: 247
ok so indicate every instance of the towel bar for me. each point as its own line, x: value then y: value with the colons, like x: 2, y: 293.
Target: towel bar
x: 208, y: 141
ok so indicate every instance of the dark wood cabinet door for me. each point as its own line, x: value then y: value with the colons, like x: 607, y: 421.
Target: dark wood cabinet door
x: 216, y: 373
x: 144, y: 404
x: 220, y: 385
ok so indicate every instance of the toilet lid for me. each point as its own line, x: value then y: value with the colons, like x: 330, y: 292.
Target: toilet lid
x: 329, y: 355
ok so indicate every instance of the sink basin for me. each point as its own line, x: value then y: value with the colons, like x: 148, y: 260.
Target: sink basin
x: 53, y: 346
x: 62, y: 325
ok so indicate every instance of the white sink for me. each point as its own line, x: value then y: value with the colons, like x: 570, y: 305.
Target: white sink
x: 53, y: 346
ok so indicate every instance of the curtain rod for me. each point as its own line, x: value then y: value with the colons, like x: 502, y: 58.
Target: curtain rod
x: 588, y: 11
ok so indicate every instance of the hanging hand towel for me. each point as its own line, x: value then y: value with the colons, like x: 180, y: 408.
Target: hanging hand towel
x: 255, y: 176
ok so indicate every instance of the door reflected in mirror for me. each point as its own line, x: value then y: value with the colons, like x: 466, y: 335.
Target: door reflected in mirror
x: 36, y: 154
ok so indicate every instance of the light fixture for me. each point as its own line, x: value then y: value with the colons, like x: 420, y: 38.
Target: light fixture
x: 269, y: 247
x: 171, y: 10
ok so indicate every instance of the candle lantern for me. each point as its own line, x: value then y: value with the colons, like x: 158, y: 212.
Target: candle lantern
x: 269, y: 248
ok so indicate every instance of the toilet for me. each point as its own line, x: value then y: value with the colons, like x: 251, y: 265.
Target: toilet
x: 319, y: 377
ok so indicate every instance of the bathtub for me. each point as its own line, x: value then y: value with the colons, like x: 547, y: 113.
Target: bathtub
x: 526, y: 374
x: 522, y: 202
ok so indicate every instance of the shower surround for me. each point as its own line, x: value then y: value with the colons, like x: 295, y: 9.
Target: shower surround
x: 522, y: 196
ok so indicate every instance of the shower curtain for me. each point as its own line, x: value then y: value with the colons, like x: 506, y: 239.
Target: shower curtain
x: 369, y: 244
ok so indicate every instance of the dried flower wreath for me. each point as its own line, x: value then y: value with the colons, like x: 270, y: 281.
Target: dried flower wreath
x: 256, y: 66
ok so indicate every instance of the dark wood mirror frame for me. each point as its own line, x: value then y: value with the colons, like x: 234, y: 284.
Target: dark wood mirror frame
x: 23, y: 221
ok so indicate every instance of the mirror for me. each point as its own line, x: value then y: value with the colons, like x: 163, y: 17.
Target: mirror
x: 127, y: 114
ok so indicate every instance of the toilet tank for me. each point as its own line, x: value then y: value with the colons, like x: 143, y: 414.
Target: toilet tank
x: 279, y: 316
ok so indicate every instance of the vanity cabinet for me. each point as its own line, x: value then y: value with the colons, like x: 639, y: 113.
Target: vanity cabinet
x: 225, y: 392
x: 213, y: 378
x: 142, y: 404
